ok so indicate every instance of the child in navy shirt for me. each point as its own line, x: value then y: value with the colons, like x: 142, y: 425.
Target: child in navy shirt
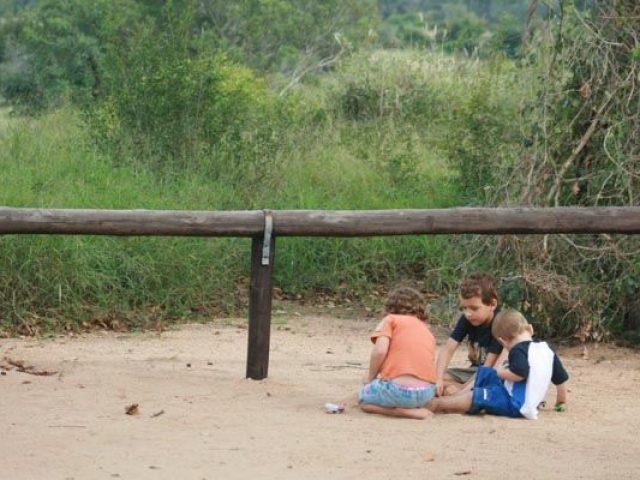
x: 478, y: 297
x: 517, y: 388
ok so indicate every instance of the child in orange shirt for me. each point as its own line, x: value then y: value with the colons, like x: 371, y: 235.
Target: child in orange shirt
x: 402, y: 369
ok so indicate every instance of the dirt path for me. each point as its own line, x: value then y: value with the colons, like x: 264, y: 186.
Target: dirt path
x: 199, y: 418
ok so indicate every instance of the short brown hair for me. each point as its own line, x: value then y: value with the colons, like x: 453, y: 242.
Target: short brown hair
x: 509, y: 323
x: 407, y: 301
x: 480, y: 285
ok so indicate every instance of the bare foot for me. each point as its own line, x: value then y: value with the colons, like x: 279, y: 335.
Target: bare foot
x: 415, y: 413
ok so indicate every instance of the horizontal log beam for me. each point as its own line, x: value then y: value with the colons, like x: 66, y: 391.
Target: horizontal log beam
x: 336, y: 223
x: 132, y: 222
x: 458, y: 220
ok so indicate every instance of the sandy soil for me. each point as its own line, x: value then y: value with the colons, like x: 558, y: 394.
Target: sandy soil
x: 199, y: 418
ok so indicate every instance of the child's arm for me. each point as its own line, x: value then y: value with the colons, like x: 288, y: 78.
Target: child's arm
x: 505, y: 374
x: 559, y: 378
x: 443, y: 362
x: 561, y: 396
x: 378, y: 354
x: 490, y: 361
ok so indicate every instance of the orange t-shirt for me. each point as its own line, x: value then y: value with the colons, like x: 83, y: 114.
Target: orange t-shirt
x: 412, y: 348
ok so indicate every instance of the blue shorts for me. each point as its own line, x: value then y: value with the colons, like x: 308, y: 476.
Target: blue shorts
x: 490, y: 395
x: 392, y: 395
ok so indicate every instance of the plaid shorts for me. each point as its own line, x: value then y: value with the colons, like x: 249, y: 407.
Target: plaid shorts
x: 462, y: 375
x: 392, y: 395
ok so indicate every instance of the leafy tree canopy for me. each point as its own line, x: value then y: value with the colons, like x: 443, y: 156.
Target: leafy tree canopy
x: 54, y: 50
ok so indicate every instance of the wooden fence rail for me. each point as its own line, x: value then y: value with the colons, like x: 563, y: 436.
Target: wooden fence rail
x: 352, y: 223
x: 264, y: 226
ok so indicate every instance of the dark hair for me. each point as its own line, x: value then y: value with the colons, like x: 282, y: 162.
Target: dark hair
x: 407, y: 301
x: 480, y: 285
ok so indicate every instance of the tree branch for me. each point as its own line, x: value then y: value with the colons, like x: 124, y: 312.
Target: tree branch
x: 554, y: 193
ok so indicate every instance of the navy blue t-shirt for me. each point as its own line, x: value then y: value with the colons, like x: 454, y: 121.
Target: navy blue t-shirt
x: 480, y: 337
x: 519, y: 363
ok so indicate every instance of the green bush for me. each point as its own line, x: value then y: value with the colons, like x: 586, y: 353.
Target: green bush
x: 55, y: 51
x: 481, y: 135
x: 405, y: 86
x: 199, y: 105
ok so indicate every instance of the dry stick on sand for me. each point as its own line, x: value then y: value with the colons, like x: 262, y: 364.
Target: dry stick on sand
x: 30, y: 369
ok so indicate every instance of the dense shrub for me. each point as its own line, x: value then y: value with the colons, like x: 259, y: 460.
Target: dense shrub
x: 580, y: 148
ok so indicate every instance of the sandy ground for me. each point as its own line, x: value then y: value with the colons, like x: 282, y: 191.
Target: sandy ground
x: 199, y: 418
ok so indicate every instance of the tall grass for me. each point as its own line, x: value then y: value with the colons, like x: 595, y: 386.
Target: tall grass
x: 50, y: 163
x: 348, y: 144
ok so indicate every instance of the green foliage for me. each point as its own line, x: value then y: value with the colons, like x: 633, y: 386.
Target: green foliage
x: 11, y: 7
x: 62, y: 282
x: 461, y: 30
x: 320, y: 161
x: 166, y: 114
x: 203, y: 109
x: 507, y: 36
x: 69, y: 49
x: 401, y: 86
x: 200, y: 103
x: 472, y: 27
x: 579, y: 147
x: 453, y: 28
x: 490, y: 10
x: 54, y: 51
x: 407, y: 29
x: 289, y: 36
x: 64, y: 49
x: 464, y: 110
x: 481, y: 131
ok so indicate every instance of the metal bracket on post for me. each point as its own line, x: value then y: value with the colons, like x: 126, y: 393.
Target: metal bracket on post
x: 268, y: 230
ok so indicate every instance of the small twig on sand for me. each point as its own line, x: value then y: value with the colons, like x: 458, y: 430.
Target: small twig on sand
x: 357, y: 367
x: 66, y: 426
x: 30, y: 369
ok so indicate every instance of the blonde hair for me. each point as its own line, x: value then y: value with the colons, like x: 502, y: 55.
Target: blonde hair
x: 509, y: 323
x: 407, y: 301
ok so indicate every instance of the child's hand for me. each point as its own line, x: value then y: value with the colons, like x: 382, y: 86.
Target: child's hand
x: 472, y: 354
x: 503, y: 370
x: 439, y: 388
x: 560, y: 407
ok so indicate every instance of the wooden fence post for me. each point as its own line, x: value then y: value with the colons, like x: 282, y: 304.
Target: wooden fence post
x: 260, y: 293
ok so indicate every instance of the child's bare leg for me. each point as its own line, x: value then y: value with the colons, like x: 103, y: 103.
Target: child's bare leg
x: 460, y: 403
x: 414, y: 413
x: 459, y: 388
x: 452, y: 388
x: 451, y: 385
